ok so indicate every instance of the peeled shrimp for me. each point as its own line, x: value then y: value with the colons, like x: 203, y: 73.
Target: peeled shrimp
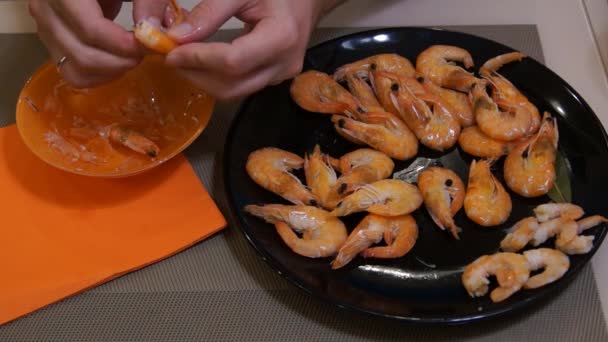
x: 505, y: 94
x: 554, y: 262
x: 317, y: 92
x: 363, y: 166
x: 322, y: 233
x: 269, y: 168
x: 474, y: 142
x: 151, y: 35
x: 520, y: 235
x: 493, y: 122
x: 380, y: 130
x: 548, y: 211
x: 388, y: 197
x: 459, y: 102
x: 321, y: 178
x: 443, y: 192
x: 570, y: 241
x: 435, y: 63
x: 486, y: 202
x: 549, y: 229
x: 400, y: 235
x: 529, y: 168
x: 511, y: 270
x: 389, y: 62
x: 133, y: 140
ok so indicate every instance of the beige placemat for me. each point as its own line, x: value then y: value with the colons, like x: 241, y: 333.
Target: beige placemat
x: 221, y: 290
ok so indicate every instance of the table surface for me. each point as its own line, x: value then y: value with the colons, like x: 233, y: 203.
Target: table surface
x: 573, y: 51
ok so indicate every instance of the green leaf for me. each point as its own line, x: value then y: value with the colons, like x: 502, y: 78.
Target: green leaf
x: 561, y: 191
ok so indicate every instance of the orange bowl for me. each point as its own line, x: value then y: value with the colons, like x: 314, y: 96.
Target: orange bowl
x: 69, y: 128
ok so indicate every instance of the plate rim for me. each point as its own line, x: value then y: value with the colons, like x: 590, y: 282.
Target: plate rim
x: 541, y: 299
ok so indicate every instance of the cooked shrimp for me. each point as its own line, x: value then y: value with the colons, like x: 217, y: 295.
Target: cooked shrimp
x: 322, y: 233
x: 474, y: 142
x: 152, y: 36
x: 554, y: 262
x: 270, y: 168
x: 386, y: 84
x: 486, y: 202
x: 505, y: 94
x: 511, y: 270
x: 459, y: 102
x: 549, y: 229
x: 443, y: 192
x: 317, y: 92
x: 321, y: 178
x: 388, y: 197
x: 368, y: 232
x: 425, y: 114
x: 133, y: 140
x: 569, y: 239
x: 400, y: 235
x: 363, y: 92
x: 520, y: 235
x: 435, y: 63
x: 363, y: 166
x: 496, y: 124
x: 380, y: 130
x: 548, y: 211
x: 529, y: 169
x: 388, y: 62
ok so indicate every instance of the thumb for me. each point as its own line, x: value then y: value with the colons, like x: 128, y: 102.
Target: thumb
x: 204, y: 19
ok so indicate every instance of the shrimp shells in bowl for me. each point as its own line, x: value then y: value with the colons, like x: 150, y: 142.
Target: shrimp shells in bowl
x: 429, y: 176
x: 122, y: 128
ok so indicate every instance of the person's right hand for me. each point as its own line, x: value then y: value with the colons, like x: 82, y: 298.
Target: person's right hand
x: 97, y: 50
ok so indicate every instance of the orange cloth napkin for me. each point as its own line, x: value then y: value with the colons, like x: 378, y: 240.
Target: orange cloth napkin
x: 61, y: 234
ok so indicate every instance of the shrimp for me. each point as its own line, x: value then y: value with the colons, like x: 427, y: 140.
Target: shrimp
x: 486, y: 202
x: 363, y: 166
x: 435, y: 63
x: 511, y: 270
x: 529, y: 169
x: 554, y: 262
x: 317, y: 92
x: 474, y: 142
x: 549, y: 229
x: 321, y: 178
x: 569, y: 240
x: 133, y: 140
x: 380, y: 130
x: 496, y: 124
x: 388, y: 62
x: 443, y: 192
x: 387, y: 197
x: 400, y: 234
x: 368, y: 232
x: 505, y: 94
x: 363, y: 92
x: 270, y: 168
x: 425, y: 114
x: 459, y: 102
x: 322, y: 233
x: 548, y: 211
x: 520, y: 235
x: 386, y: 84
x: 152, y: 36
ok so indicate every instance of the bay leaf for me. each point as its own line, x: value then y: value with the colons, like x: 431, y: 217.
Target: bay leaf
x: 562, y: 190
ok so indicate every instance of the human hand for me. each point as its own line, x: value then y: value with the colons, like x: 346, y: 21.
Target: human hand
x: 270, y: 50
x: 95, y: 48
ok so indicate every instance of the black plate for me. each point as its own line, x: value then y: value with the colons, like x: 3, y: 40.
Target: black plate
x: 409, y: 288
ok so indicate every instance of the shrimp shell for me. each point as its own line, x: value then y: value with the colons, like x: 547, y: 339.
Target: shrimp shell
x: 486, y: 202
x: 435, y: 63
x: 476, y: 143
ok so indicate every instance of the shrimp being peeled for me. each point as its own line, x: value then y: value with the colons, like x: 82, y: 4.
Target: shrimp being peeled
x: 520, y: 235
x: 317, y: 92
x: 554, y: 263
x: 388, y: 62
x: 476, y: 143
x: 322, y: 233
x: 486, y: 202
x: 151, y: 35
x: 133, y: 140
x: 549, y: 211
x: 387, y: 197
x: 505, y: 94
x: 436, y: 64
x: 511, y: 270
x: 270, y: 168
x: 321, y: 178
x: 380, y: 130
x: 443, y: 192
x: 362, y: 166
x: 529, y: 169
x: 493, y: 122
x: 569, y: 239
x: 459, y: 102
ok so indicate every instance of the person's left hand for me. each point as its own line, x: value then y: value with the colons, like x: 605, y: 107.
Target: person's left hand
x: 270, y: 50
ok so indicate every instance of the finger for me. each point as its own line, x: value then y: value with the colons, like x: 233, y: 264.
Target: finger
x: 87, y: 20
x: 204, y: 19
x: 144, y: 9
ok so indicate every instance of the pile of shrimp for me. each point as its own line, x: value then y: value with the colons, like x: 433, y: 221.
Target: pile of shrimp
x: 512, y: 271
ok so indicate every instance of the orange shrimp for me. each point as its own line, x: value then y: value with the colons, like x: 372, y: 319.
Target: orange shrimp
x: 363, y: 166
x: 459, y: 102
x: 476, y: 143
x: 486, y: 202
x: 152, y: 36
x: 388, y: 62
x: 435, y: 63
x: 321, y: 178
x: 400, y: 235
x: 368, y: 232
x: 363, y: 92
x: 520, y: 235
x: 133, y: 140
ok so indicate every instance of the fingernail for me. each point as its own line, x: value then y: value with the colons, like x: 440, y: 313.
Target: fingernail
x: 154, y: 21
x: 181, y: 30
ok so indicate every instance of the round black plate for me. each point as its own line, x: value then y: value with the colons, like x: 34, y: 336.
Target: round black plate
x: 424, y: 286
